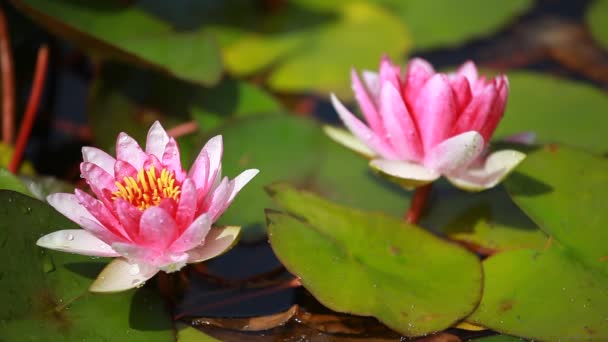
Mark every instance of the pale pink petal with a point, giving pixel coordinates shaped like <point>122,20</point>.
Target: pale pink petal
<point>156,140</point>
<point>97,178</point>
<point>69,206</point>
<point>157,229</point>
<point>219,200</point>
<point>137,253</point>
<point>186,208</point>
<point>128,149</point>
<point>462,91</point>
<point>475,115</point>
<point>366,135</point>
<point>128,215</point>
<point>214,148</point>
<point>417,74</point>
<point>101,213</point>
<point>389,73</point>
<point>496,167</point>
<point>498,108</point>
<point>171,160</point>
<point>124,169</point>
<point>367,104</point>
<point>400,128</point>
<point>77,241</point>
<point>455,153</point>
<point>199,172</point>
<point>102,233</point>
<point>218,241</point>
<point>151,161</point>
<point>241,180</point>
<point>120,275</point>
<point>435,111</point>
<point>348,140</point>
<point>468,70</point>
<point>98,157</point>
<point>372,83</point>
<point>193,236</point>
<point>409,175</point>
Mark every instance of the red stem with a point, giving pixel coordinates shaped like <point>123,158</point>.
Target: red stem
<point>32,106</point>
<point>421,194</point>
<point>183,129</point>
<point>8,82</point>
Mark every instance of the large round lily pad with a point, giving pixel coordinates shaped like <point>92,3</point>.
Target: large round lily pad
<point>597,18</point>
<point>373,264</point>
<point>561,292</point>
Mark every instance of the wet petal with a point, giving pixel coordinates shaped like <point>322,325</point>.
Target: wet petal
<point>409,175</point>
<point>157,229</point>
<point>98,157</point>
<point>128,149</point>
<point>218,241</point>
<point>348,140</point>
<point>171,159</point>
<point>128,216</point>
<point>496,167</point>
<point>120,275</point>
<point>418,72</point>
<point>199,172</point>
<point>372,83</point>
<point>476,114</point>
<point>186,208</point>
<point>77,241</point>
<point>367,104</point>
<point>193,235</point>
<point>102,214</point>
<point>455,153</point>
<point>97,177</point>
<point>157,140</point>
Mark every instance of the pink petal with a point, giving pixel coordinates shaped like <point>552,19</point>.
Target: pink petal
<point>128,216</point>
<point>199,172</point>
<point>128,149</point>
<point>77,241</point>
<point>475,115</point>
<point>214,148</point>
<point>367,104</point>
<point>120,275</point>
<point>389,73</point>
<point>217,242</point>
<point>409,175</point>
<point>102,233</point>
<point>348,140</point>
<point>241,180</point>
<point>157,229</point>
<point>455,153</point>
<point>186,208</point>
<point>372,83</point>
<point>468,70</point>
<point>157,140</point>
<point>400,128</point>
<point>124,169</point>
<point>462,91</point>
<point>69,206</point>
<point>97,178</point>
<point>435,111</point>
<point>171,160</point>
<point>193,235</point>
<point>497,110</point>
<point>494,169</point>
<point>367,136</point>
<point>417,74</point>
<point>152,160</point>
<point>100,158</point>
<point>102,214</point>
<point>215,204</point>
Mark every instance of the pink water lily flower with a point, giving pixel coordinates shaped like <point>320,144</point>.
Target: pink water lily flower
<point>427,124</point>
<point>147,212</point>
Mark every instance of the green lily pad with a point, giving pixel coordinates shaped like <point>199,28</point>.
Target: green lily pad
<point>562,292</point>
<point>44,293</point>
<point>8,181</point>
<point>488,220</point>
<point>597,18</point>
<point>499,338</point>
<point>132,32</point>
<point>311,48</point>
<point>440,23</point>
<point>372,264</point>
<point>557,110</point>
<point>297,152</point>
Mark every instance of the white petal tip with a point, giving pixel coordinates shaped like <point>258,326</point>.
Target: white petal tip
<point>120,275</point>
<point>406,174</point>
<point>217,242</point>
<point>496,168</point>
<point>348,140</point>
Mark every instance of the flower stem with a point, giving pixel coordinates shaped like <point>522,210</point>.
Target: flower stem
<point>8,82</point>
<point>32,107</point>
<point>421,194</point>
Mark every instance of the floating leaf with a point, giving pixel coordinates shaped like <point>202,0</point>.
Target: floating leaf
<point>44,293</point>
<point>132,32</point>
<point>440,23</point>
<point>557,110</point>
<point>597,18</point>
<point>186,333</point>
<point>313,49</point>
<point>372,264</point>
<point>562,292</point>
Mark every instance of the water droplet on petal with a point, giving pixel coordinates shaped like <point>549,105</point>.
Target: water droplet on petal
<point>134,270</point>
<point>70,237</point>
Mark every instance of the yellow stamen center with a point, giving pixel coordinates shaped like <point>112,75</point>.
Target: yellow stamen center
<point>148,189</point>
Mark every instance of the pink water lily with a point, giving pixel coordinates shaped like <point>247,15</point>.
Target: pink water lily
<point>427,124</point>
<point>147,211</point>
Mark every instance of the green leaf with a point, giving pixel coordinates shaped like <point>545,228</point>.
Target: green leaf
<point>440,23</point>
<point>186,333</point>
<point>597,20</point>
<point>8,181</point>
<point>557,110</point>
<point>372,264</point>
<point>44,293</point>
<point>498,338</point>
<point>297,152</point>
<point>559,293</point>
<point>134,32</point>
<point>313,49</point>
<point>487,219</point>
